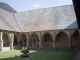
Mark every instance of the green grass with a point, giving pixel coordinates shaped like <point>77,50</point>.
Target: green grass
<point>10,55</point>
<point>39,55</point>
<point>54,55</point>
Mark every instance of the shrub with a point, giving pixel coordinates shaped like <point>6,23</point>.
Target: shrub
<point>25,51</point>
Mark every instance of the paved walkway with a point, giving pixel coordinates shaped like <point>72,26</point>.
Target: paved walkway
<point>77,56</point>
<point>5,49</point>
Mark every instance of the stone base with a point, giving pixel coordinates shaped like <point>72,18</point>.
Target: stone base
<point>24,55</point>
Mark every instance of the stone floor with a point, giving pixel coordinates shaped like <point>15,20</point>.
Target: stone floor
<point>77,56</point>
<point>6,49</point>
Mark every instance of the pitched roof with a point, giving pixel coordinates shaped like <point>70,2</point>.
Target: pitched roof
<point>8,22</point>
<point>53,18</point>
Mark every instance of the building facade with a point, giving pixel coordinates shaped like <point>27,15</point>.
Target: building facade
<point>48,28</point>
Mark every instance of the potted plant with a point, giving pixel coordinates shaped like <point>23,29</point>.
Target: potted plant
<point>25,52</point>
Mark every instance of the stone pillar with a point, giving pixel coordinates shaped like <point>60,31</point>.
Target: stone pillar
<point>32,43</point>
<point>79,35</point>
<point>40,39</point>
<point>79,39</point>
<point>28,40</point>
<point>36,42</point>
<point>1,41</point>
<point>54,41</point>
<point>11,41</point>
<point>70,43</point>
<point>18,43</point>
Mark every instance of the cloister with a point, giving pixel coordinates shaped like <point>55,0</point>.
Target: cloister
<point>47,28</point>
<point>58,39</point>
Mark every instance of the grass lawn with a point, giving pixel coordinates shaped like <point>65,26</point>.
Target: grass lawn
<point>39,55</point>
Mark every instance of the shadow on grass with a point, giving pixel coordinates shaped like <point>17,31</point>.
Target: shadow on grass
<point>17,57</point>
<point>13,58</point>
<point>54,55</point>
<point>46,55</point>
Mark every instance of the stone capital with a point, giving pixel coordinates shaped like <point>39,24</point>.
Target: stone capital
<point>1,33</point>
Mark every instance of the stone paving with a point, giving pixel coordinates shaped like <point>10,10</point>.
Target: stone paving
<point>77,56</point>
<point>5,49</point>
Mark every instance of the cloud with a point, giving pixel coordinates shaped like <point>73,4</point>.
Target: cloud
<point>37,5</point>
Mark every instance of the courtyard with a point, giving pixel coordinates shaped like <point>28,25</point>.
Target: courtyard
<point>39,55</point>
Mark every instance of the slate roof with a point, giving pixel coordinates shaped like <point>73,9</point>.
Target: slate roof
<point>53,18</point>
<point>8,22</point>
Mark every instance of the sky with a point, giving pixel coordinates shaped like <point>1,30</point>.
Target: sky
<point>26,5</point>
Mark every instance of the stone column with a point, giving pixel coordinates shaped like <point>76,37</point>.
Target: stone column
<point>70,43</point>
<point>11,41</point>
<point>1,41</point>
<point>36,42</point>
<point>40,39</point>
<point>79,39</point>
<point>18,43</point>
<point>32,43</point>
<point>28,40</point>
<point>54,41</point>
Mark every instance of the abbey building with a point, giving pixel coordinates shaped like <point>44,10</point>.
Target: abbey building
<point>47,28</point>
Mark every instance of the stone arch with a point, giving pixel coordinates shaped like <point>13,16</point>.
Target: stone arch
<point>47,40</point>
<point>5,38</point>
<point>34,40</point>
<point>62,41</point>
<point>75,40</point>
<point>62,32</point>
<point>74,32</point>
<point>23,40</point>
<point>15,40</point>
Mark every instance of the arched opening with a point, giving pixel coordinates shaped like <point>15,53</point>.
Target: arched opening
<point>62,41</point>
<point>34,40</point>
<point>5,38</point>
<point>23,42</point>
<point>75,40</point>
<point>47,40</point>
<point>15,41</point>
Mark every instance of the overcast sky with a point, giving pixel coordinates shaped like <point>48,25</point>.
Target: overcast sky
<point>25,5</point>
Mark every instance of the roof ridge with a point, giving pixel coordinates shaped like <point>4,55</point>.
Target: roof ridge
<point>17,22</point>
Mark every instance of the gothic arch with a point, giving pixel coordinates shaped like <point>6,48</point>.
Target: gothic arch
<point>62,32</point>
<point>34,40</point>
<point>6,40</point>
<point>62,41</point>
<point>75,40</point>
<point>34,33</point>
<point>23,40</point>
<point>47,33</point>
<point>75,31</point>
<point>15,40</point>
<point>47,40</point>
